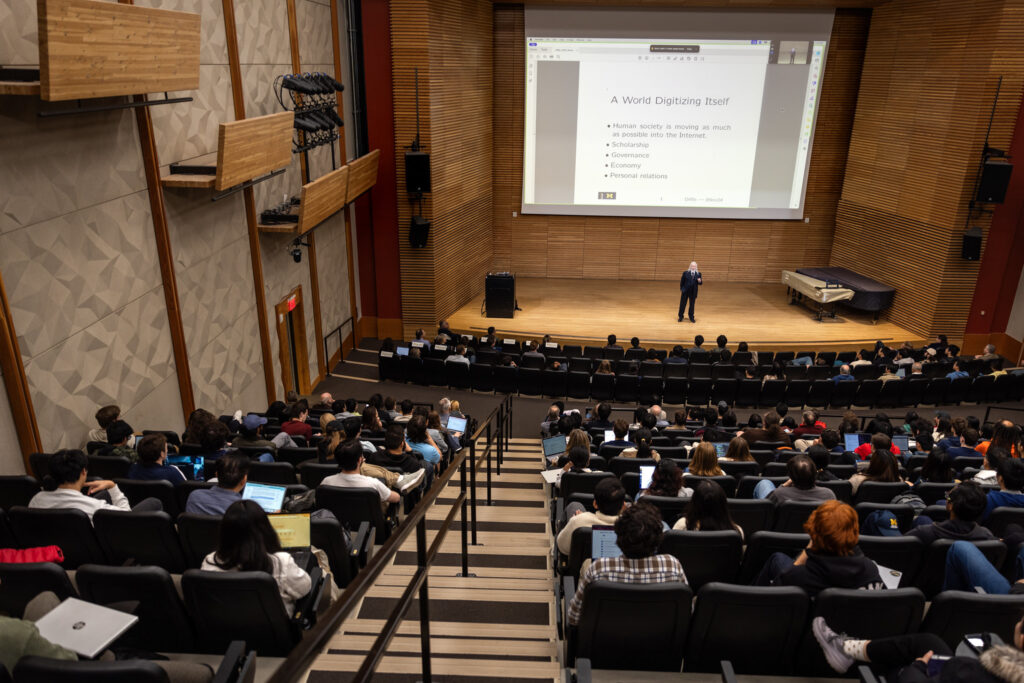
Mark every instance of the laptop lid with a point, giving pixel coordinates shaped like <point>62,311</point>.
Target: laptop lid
<point>292,530</point>
<point>270,498</point>
<point>901,441</point>
<point>646,474</point>
<point>609,435</point>
<point>721,448</point>
<point>83,627</point>
<point>603,543</point>
<point>456,424</point>
<point>402,350</point>
<point>554,446</point>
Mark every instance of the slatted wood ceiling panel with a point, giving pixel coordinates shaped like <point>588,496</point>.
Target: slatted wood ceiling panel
<point>926,93</point>
<point>658,249</point>
<point>450,41</point>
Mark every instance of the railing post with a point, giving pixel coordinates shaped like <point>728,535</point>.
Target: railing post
<point>421,560</point>
<point>489,501</point>
<point>501,432</point>
<point>472,488</point>
<point>465,523</point>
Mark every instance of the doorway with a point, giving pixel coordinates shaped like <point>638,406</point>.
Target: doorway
<point>291,339</point>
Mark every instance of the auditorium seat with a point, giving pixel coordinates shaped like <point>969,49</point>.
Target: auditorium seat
<point>137,490</point>
<point>841,487</point>
<point>935,394</point>
<point>23,581</point>
<point>199,535</point>
<point>773,391</point>
<point>571,350</point>
<point>954,614</point>
<point>933,492</point>
<point>727,482</point>
<point>626,388</point>
<point>738,470</point>
<point>506,380</point>
<point>481,377</point>
<point>745,487</point>
<point>706,556</point>
<point>279,473</point>
<point>879,491</point>
<point>108,466</point>
<point>676,370</point>
<point>649,391</point>
<point>141,538</point>
<point>671,508</point>
<point>724,390</point>
<point>751,514</point>
<point>956,392</point>
<point>353,505</point>
<point>183,490</point>
<point>819,393</point>
<point>1003,388</point>
<point>32,669</point>
<point>980,389</point>
<point>904,513</point>
<point>1002,517</point>
<point>554,383</point>
<point>593,352</point>
<point>762,544</point>
<point>67,528</point>
<point>620,466</point>
<point>580,482</point>
<point>39,464</point>
<point>933,568</point>
<point>699,392</point>
<point>296,456</point>
<point>458,375</point>
<point>765,624</point>
<point>791,515</point>
<point>902,553</point>
<point>530,382</point>
<point>578,385</point>
<point>699,370</point>
<point>842,394</point>
<point>602,387</point>
<point>867,392</point>
<point>676,388</point>
<point>891,393</point>
<point>17,489</point>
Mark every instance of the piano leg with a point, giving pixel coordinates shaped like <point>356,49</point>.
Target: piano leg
<point>821,308</point>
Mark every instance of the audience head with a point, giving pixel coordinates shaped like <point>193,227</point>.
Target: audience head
<point>152,448</point>
<point>742,346</point>
<point>620,428</point>
<point>698,340</point>
<point>213,437</point>
<point>677,351</point>
<point>937,467</point>
<point>820,456</point>
<point>604,410</point>
<point>246,539</point>
<point>916,368</point>
<point>710,417</point>
<point>1011,474</point>
<point>251,423</point>
<point>882,466</point>
<point>371,422</point>
<point>609,495</point>
<point>970,437</point>
<point>635,342</point>
<point>993,456</point>
<point>106,415</point>
<point>708,508</point>
<point>726,355</point>
<point>1007,435</point>
<point>611,340</point>
<point>232,470</point>
<point>802,471</point>
<point>643,438</point>
<point>416,429</point>
<point>830,439</point>
<point>679,419</point>
<point>349,455</point>
<point>739,450</point>
<point>118,432</point>
<point>809,417</point>
<point>68,466</point>
<point>638,530</point>
<point>579,457</point>
<point>729,419</point>
<point>755,421</point>
<point>604,368</point>
<point>666,480</point>
<point>844,369</point>
<point>389,403</point>
<point>833,528</point>
<point>721,341</point>
<point>966,501</point>
<point>394,438</point>
<point>291,396</point>
<point>704,461</point>
<point>406,407</point>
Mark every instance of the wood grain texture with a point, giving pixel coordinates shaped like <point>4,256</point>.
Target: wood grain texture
<point>927,91</point>
<point>362,174</point>
<point>249,148</point>
<point>16,384</point>
<point>612,248</point>
<point>736,4</point>
<point>194,181</point>
<point>19,87</point>
<point>321,198</point>
<point>89,48</point>
<point>298,337</point>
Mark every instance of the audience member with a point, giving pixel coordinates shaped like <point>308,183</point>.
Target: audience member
<point>119,438</point>
<point>420,440</point>
<point>232,476</point>
<point>937,468</point>
<point>197,423</point>
<point>250,435</point>
<point>738,451</point>
<point>458,355</point>
<point>844,375</point>
<point>698,342</point>
<point>642,448</point>
<point>621,429</point>
<point>965,504</point>
<point>104,417</point>
<point>704,461</point>
<point>1005,435</point>
<point>69,472</point>
<point>882,467</point>
<point>350,458</point>
<point>708,510</point>
<point>1010,477</point>
<point>612,342</point>
<point>676,357</point>
<point>152,462</point>
<point>406,407</point>
<point>609,502</point>
<point>772,432</point>
<point>247,543</point>
<point>667,481</point>
<point>802,484</point>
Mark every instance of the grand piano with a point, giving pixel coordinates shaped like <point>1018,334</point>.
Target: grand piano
<point>868,295</point>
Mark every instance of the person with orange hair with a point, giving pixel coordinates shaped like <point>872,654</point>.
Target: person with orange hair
<point>831,560</point>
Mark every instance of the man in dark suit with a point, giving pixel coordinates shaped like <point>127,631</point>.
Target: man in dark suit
<point>688,285</point>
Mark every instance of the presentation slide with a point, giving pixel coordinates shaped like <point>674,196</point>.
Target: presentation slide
<point>701,124</point>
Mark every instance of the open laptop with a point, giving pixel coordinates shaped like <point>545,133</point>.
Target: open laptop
<point>190,465</point>
<point>293,531</point>
<point>402,350</point>
<point>270,498</point>
<point>646,474</point>
<point>902,442</point>
<point>721,448</point>
<point>852,441</point>
<point>554,447</point>
<point>603,542</point>
<point>609,435</point>
<point>83,627</point>
<point>456,424</point>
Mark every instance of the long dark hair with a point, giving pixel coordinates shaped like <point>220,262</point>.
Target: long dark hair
<point>938,467</point>
<point>643,442</point>
<point>246,539</point>
<point>882,467</point>
<point>708,509</point>
<point>666,480</point>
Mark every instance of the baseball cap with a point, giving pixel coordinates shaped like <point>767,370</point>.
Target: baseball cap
<point>252,421</point>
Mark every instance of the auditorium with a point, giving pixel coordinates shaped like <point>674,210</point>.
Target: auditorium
<point>511,342</point>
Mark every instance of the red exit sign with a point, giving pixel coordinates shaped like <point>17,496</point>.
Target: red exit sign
<point>291,303</point>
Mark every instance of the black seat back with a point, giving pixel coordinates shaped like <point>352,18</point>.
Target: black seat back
<point>1003,516</point>
<point>163,623</point>
<point>109,466</point>
<point>791,515</point>
<point>764,623</point>
<point>671,508</point>
<point>727,482</point>
<point>69,529</point>
<point>17,489</point>
<point>902,553</point>
<point>21,582</point>
<point>751,514</point>
<point>762,544</point>
<point>329,536</point>
<point>247,606</point>
<point>312,473</point>
<point>137,490</point>
<point>706,556</point>
<point>199,536</point>
<point>879,491</point>
<point>580,482</point>
<point>933,568</point>
<point>658,615</point>
<point>34,669</point>
<point>954,614</point>
<point>141,538</point>
<point>183,490</point>
<point>354,505</point>
<point>280,473</point>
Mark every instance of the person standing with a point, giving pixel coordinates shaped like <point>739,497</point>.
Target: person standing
<point>688,285</point>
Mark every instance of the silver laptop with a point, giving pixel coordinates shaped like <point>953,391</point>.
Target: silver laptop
<point>83,627</point>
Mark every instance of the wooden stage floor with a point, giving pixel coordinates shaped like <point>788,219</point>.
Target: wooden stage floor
<point>582,311</point>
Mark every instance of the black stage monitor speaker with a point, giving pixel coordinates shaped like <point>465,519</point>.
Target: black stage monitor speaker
<point>417,172</point>
<point>500,293</point>
<point>970,249</point>
<point>419,230</point>
<point>995,177</point>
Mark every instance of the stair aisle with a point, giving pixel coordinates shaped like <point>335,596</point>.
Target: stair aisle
<point>497,626</point>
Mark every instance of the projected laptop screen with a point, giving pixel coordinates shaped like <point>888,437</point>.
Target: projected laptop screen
<point>603,543</point>
<point>270,498</point>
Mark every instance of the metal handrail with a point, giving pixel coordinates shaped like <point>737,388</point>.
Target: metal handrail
<point>989,410</point>
<point>341,340</point>
<point>317,638</point>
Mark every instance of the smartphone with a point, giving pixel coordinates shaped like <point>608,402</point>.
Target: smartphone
<point>936,663</point>
<point>979,642</point>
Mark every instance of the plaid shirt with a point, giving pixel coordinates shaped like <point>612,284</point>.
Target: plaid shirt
<point>653,569</point>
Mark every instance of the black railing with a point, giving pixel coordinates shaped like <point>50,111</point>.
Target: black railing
<point>341,340</point>
<point>989,410</point>
<point>497,430</point>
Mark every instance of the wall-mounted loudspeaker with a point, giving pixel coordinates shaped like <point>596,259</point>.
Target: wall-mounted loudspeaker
<point>419,230</point>
<point>970,248</point>
<point>995,177</point>
<point>417,172</point>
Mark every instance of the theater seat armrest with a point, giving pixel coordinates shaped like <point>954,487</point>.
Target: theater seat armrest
<point>306,608</point>
<point>362,543</point>
<point>583,670</point>
<point>230,666</point>
<point>728,673</point>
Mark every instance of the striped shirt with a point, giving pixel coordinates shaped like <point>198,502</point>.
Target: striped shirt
<point>653,569</point>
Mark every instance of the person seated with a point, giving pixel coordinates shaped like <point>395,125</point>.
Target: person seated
<point>119,439</point>
<point>965,504</point>
<point>604,368</point>
<point>710,430</point>
<point>810,427</point>
<point>890,373</point>
<point>772,432</point>
<point>676,357</point>
<point>389,409</point>
<point>937,468</point>
<point>443,330</point>
<point>678,422</point>
<point>802,484</point>
<point>642,447</point>
<point>458,355</point>
<point>1005,435</point>
<point>621,430</point>
<point>105,416</point>
<point>863,358</point>
<point>883,467</point>
<point>419,439</point>
<point>397,453</point>
<point>738,451</point>
<point>421,340</point>
<point>448,442</point>
<point>612,342</point>
<point>232,476</point>
<point>660,417</point>
<point>370,423</point>
<point>965,445</point>
<point>1010,477</point>
<point>988,473</point>
<point>600,418</point>
<point>609,502</point>
<point>667,481</point>
<point>296,424</point>
<point>821,458</point>
<point>69,473</point>
<point>406,407</point>
<point>698,342</point>
<point>831,440</point>
<point>247,543</point>
<point>250,435</point>
<point>844,375</point>
<point>152,462</point>
<point>638,532</point>
<point>904,659</point>
<point>704,461</point>
<point>995,367</point>
<point>350,459</point>
<point>879,440</point>
<point>832,559</point>
<point>708,510</point>
<point>326,401</point>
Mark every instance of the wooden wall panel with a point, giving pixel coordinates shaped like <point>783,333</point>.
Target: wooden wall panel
<point>249,148</point>
<point>89,48</point>
<point>927,91</point>
<point>658,249</point>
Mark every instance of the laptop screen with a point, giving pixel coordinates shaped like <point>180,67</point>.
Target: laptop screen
<point>402,351</point>
<point>554,446</point>
<point>646,474</point>
<point>852,441</point>
<point>609,435</point>
<point>270,498</point>
<point>456,424</point>
<point>901,441</point>
<point>292,530</point>
<point>721,448</point>
<point>603,543</point>
<point>190,465</point>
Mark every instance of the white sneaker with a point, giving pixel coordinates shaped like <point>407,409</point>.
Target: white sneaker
<point>237,416</point>
<point>409,480</point>
<point>831,645</point>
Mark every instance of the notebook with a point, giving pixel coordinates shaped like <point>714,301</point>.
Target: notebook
<point>721,448</point>
<point>270,498</point>
<point>554,446</point>
<point>603,542</point>
<point>83,627</point>
<point>456,424</point>
<point>292,530</point>
<point>646,474</point>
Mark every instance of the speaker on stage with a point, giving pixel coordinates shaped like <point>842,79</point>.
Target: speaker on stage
<point>995,178</point>
<point>419,230</point>
<point>500,295</point>
<point>970,248</point>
